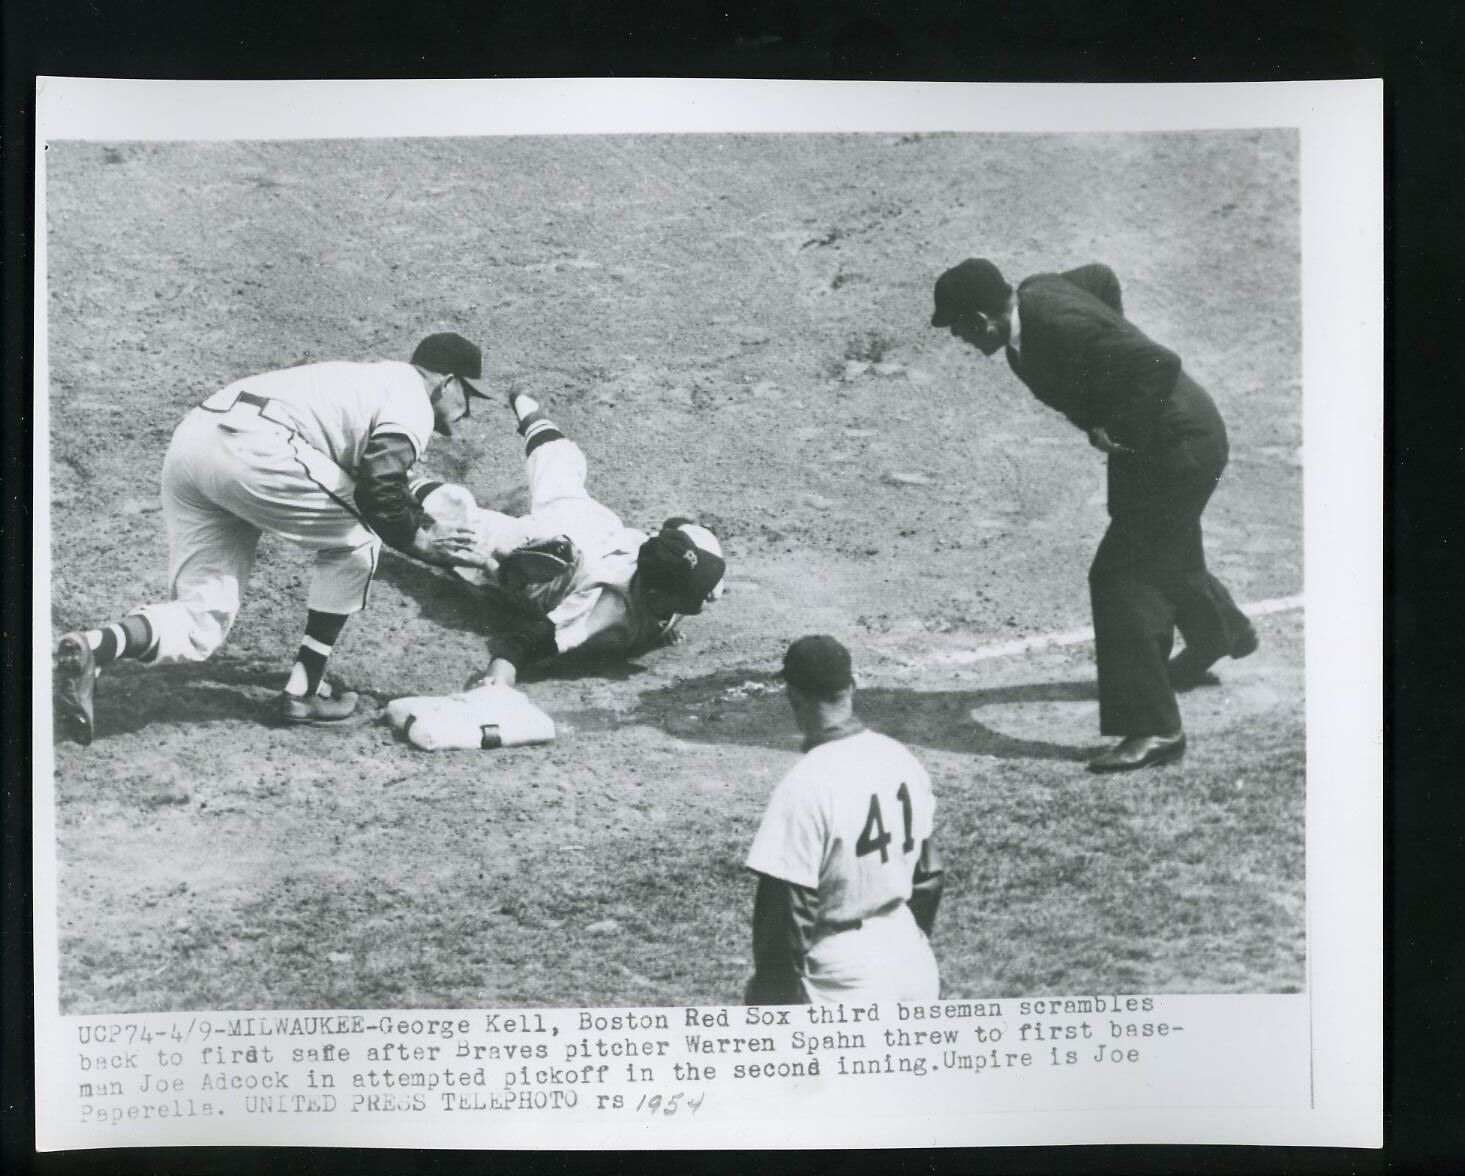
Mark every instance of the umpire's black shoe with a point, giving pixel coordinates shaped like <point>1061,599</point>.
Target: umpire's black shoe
<point>74,679</point>
<point>1191,667</point>
<point>1140,751</point>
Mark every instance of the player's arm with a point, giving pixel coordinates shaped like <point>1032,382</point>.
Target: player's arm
<point>928,882</point>
<point>669,634</point>
<point>783,932</point>
<point>388,506</point>
<point>530,641</point>
<point>536,638</point>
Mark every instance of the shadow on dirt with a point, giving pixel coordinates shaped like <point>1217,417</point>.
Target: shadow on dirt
<point>131,697</point>
<point>749,709</point>
<point>443,601</point>
<point>571,666</point>
<point>452,604</point>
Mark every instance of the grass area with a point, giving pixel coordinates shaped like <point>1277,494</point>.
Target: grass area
<point>472,880</point>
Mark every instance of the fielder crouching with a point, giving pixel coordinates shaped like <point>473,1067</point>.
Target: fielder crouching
<point>318,454</point>
<point>586,580</point>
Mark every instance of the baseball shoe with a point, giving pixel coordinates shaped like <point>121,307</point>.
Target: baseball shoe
<point>1140,751</point>
<point>318,708</point>
<point>1191,667</point>
<point>74,678</point>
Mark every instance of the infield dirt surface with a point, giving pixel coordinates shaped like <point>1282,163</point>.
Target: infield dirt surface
<point>733,328</point>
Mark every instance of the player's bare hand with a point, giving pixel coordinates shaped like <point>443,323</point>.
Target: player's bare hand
<point>499,673</point>
<point>1099,438</point>
<point>447,545</point>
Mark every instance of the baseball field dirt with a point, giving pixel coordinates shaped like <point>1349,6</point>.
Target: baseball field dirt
<point>733,328</point>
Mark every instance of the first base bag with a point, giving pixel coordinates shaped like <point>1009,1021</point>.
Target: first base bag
<point>486,717</point>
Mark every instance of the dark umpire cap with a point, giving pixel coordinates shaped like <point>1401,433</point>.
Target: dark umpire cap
<point>449,354</point>
<point>818,665</point>
<point>673,563</point>
<point>975,284</point>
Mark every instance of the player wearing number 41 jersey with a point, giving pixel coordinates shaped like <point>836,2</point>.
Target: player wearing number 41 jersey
<point>848,876</point>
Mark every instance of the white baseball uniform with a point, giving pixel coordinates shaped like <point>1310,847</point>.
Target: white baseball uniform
<point>849,821</point>
<point>598,612</point>
<point>275,452</point>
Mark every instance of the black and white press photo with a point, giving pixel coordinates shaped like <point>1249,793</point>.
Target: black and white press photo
<point>655,570</point>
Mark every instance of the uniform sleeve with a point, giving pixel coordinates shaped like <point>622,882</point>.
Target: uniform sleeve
<point>783,931</point>
<point>382,494</point>
<point>928,882</point>
<point>1100,281</point>
<point>407,412</point>
<point>529,642</point>
<point>591,618</point>
<point>789,844</point>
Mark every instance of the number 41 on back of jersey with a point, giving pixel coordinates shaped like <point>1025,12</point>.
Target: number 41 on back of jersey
<point>875,838</point>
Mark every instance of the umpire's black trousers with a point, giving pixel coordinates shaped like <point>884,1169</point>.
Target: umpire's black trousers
<point>1149,575</point>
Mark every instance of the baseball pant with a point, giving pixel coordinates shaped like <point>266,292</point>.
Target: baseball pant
<point>228,476</point>
<point>1149,577</point>
<point>887,956</point>
<point>559,504</point>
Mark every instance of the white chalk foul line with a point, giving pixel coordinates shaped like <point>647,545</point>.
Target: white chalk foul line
<point>966,657</point>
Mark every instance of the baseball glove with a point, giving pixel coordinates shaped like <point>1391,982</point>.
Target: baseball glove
<point>541,573</point>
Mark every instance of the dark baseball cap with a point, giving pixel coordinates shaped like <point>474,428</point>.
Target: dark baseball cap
<point>975,284</point>
<point>449,354</point>
<point>673,563</point>
<point>818,665</point>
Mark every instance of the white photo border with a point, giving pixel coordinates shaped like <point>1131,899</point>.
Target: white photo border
<point>1341,129</point>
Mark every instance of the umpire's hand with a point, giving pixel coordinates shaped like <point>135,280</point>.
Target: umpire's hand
<point>1100,439</point>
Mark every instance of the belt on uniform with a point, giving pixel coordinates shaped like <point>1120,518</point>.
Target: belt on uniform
<point>835,926</point>
<point>249,398</point>
<point>311,467</point>
<point>261,404</point>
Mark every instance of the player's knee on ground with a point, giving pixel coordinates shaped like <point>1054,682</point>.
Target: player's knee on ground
<point>186,631</point>
<point>342,579</point>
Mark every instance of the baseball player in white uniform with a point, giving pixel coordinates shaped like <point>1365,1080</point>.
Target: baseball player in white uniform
<point>848,876</point>
<point>319,454</point>
<point>587,581</point>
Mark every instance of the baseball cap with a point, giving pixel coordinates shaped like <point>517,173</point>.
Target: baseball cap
<point>449,354</point>
<point>975,284</point>
<point>818,665</point>
<point>684,561</point>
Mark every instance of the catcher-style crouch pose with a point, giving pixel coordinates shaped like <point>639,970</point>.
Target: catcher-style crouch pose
<point>318,454</point>
<point>1067,339</point>
<point>589,582</point>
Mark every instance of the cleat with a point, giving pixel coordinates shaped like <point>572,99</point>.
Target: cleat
<point>74,680</point>
<point>318,708</point>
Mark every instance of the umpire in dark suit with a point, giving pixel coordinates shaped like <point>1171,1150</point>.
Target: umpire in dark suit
<point>1067,339</point>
